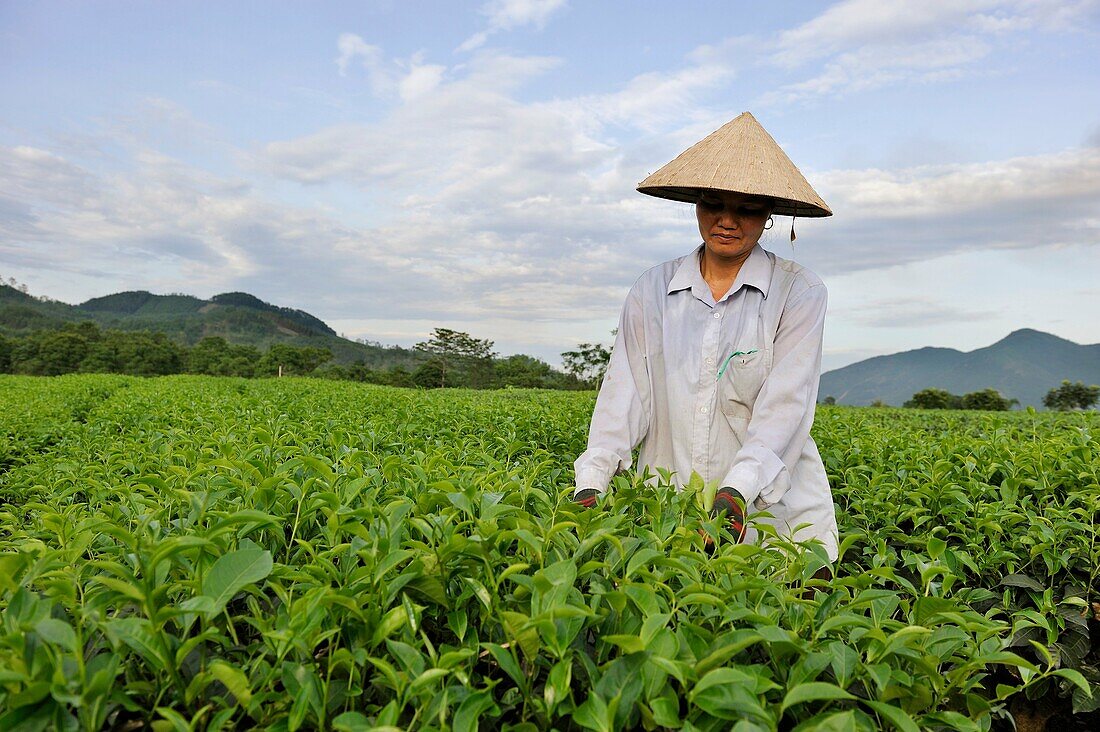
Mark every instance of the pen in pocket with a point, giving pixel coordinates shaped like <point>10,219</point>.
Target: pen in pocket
<point>730,358</point>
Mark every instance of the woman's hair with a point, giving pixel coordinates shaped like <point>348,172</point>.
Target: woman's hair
<point>768,202</point>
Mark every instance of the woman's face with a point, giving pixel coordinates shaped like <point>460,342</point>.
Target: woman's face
<point>731,223</point>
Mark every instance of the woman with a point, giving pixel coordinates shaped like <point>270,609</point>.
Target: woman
<point>716,363</point>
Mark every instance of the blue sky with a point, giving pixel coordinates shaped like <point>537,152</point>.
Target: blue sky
<point>393,167</point>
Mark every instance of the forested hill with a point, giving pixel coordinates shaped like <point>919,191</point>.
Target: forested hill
<point>238,317</point>
<point>1023,365</point>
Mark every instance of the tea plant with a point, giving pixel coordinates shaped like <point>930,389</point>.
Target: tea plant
<point>201,553</point>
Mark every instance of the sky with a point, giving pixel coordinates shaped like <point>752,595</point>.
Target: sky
<point>393,167</point>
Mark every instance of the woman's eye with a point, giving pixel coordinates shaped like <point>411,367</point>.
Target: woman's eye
<point>711,205</point>
<point>751,211</point>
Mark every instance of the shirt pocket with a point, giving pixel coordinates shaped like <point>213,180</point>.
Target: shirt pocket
<point>739,386</point>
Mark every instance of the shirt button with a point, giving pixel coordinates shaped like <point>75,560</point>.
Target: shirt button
<point>718,315</point>
<point>703,410</point>
<point>710,360</point>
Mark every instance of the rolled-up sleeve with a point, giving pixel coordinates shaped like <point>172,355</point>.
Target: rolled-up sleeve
<point>784,410</point>
<point>621,417</point>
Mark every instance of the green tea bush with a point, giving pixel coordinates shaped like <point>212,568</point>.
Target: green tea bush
<point>204,553</point>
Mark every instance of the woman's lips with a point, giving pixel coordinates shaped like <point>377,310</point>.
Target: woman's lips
<point>729,237</point>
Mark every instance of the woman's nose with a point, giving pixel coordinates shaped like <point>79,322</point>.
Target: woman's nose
<point>728,219</point>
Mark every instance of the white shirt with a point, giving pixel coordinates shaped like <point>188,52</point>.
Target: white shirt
<point>724,389</point>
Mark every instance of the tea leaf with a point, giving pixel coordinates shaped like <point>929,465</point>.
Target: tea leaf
<point>56,631</point>
<point>468,715</point>
<point>233,679</point>
<point>1021,580</point>
<point>352,722</point>
<point>895,716</point>
<point>232,572</point>
<point>813,691</point>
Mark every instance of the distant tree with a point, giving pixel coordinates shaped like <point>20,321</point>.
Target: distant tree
<point>397,376</point>
<point>101,359</point>
<point>587,363</point>
<point>431,374</point>
<point>989,400</point>
<point>879,403</point>
<point>295,360</point>
<point>359,371</point>
<point>14,284</point>
<point>523,371</point>
<point>214,356</point>
<point>1072,396</point>
<point>478,372</point>
<point>154,355</point>
<point>830,400</point>
<point>461,359</point>
<point>934,399</point>
<point>208,356</point>
<point>332,371</point>
<point>54,352</point>
<point>5,355</point>
<point>135,353</point>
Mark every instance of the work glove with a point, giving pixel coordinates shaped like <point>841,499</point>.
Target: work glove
<point>586,497</point>
<point>729,504</point>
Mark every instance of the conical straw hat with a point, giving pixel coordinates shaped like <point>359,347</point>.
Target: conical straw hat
<point>742,157</point>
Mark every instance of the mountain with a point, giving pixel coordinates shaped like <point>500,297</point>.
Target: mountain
<point>236,316</point>
<point>1023,365</point>
<point>140,310</point>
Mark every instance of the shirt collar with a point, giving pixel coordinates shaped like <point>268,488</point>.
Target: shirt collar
<point>756,271</point>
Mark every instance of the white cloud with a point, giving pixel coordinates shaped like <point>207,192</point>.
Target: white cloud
<point>508,14</point>
<point>420,79</point>
<point>653,101</point>
<point>874,66</point>
<point>864,44</point>
<point>29,173</point>
<point>863,23</point>
<point>859,45</point>
<point>353,47</point>
<point>474,42</point>
<point>890,217</point>
<point>1070,178</point>
<point>504,15</point>
<point>407,78</point>
<point>1053,15</point>
<point>469,128</point>
<point>899,312</point>
<point>464,129</point>
<point>160,221</point>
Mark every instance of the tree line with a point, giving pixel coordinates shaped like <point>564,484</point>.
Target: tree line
<point>451,359</point>
<point>84,348</point>
<point>455,358</point>
<point>989,400</point>
<point>1066,397</point>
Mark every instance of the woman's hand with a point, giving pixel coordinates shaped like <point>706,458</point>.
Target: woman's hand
<point>729,504</point>
<point>586,497</point>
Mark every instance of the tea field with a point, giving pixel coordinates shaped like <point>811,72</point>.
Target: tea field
<point>203,553</point>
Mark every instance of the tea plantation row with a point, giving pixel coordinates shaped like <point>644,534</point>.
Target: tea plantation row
<point>203,553</point>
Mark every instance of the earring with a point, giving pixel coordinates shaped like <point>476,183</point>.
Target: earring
<point>770,224</point>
